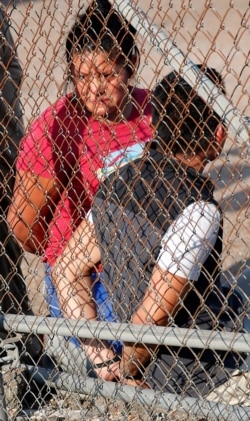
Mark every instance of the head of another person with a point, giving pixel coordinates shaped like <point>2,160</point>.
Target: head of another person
<point>186,125</point>
<point>102,57</point>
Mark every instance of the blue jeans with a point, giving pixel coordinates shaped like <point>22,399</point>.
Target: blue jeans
<point>104,306</point>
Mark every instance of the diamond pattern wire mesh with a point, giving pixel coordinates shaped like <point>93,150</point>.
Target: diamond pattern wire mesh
<point>213,33</point>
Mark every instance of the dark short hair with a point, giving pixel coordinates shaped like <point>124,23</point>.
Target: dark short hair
<point>183,121</point>
<point>101,26</point>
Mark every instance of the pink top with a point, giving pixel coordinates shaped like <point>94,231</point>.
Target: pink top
<point>77,151</point>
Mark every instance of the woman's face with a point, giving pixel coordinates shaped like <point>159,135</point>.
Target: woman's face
<point>101,84</point>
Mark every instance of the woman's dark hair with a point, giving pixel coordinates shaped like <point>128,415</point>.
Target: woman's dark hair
<point>183,121</point>
<point>102,27</point>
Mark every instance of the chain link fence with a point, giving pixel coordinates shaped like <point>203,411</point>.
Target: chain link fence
<point>171,35</point>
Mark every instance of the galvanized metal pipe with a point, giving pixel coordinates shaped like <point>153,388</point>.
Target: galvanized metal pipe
<point>175,58</point>
<point>172,336</point>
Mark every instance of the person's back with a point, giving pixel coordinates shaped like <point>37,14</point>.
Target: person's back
<point>146,198</point>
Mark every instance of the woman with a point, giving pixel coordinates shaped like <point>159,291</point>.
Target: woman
<point>82,137</point>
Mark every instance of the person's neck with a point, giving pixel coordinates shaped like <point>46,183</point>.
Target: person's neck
<point>195,161</point>
<point>120,115</point>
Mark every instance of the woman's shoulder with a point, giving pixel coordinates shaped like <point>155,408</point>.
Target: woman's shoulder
<point>60,106</point>
<point>48,124</point>
<point>52,117</point>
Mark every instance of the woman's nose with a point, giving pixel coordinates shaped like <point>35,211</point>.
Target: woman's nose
<point>97,83</point>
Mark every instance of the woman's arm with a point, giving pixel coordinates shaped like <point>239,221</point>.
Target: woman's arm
<point>71,275</point>
<point>31,210</point>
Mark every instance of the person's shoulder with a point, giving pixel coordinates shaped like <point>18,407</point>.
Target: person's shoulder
<point>56,111</point>
<point>61,104</point>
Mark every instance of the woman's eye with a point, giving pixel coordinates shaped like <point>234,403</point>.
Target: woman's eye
<point>110,75</point>
<point>81,77</point>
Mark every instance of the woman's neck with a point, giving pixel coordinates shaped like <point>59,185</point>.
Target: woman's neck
<point>122,114</point>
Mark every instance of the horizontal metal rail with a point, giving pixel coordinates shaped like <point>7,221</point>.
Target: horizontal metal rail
<point>175,58</point>
<point>172,336</point>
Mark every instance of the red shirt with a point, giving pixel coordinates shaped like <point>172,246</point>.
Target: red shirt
<point>76,150</point>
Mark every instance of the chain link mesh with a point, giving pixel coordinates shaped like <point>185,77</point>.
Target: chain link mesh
<point>215,34</point>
